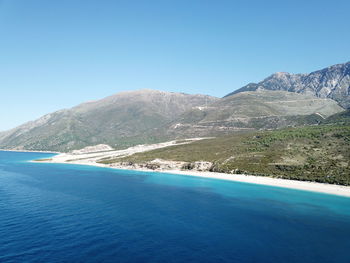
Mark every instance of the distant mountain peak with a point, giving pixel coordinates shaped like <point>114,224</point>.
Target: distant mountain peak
<point>280,74</point>
<point>332,82</point>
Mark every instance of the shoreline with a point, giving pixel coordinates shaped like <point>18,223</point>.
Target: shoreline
<point>333,189</point>
<point>28,151</point>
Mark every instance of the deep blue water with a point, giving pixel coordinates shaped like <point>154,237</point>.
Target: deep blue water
<point>72,213</point>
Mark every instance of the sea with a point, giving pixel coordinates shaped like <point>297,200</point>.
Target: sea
<point>75,213</point>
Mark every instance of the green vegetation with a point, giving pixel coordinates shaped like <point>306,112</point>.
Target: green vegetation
<point>319,153</point>
<point>341,118</point>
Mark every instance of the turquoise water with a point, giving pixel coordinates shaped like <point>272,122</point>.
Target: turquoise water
<point>72,213</point>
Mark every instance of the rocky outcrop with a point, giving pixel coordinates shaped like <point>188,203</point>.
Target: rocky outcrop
<point>164,165</point>
<point>332,82</point>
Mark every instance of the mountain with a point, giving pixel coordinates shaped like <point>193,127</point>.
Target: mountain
<point>262,109</point>
<point>332,82</point>
<point>120,120</point>
<point>149,116</point>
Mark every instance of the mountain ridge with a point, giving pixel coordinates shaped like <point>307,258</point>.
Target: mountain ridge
<point>332,82</point>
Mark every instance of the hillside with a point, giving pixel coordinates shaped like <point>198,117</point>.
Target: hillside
<point>312,153</point>
<point>319,153</point>
<point>124,119</point>
<point>332,82</point>
<point>254,110</point>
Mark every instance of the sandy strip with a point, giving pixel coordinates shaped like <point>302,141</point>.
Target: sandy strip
<point>262,180</point>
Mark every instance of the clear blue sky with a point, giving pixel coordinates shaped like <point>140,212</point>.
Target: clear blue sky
<point>56,54</point>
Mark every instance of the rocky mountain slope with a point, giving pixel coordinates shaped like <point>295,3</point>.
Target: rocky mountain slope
<point>251,110</point>
<point>121,120</point>
<point>332,82</point>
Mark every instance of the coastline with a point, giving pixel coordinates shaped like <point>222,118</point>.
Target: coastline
<point>28,151</point>
<point>333,189</point>
<point>338,190</point>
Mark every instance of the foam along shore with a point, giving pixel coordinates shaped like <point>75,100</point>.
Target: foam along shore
<point>84,157</point>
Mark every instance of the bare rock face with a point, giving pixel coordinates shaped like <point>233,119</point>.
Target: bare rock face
<point>332,82</point>
<point>164,165</point>
<point>202,166</point>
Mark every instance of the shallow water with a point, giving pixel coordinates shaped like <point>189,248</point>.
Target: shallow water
<point>72,213</point>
